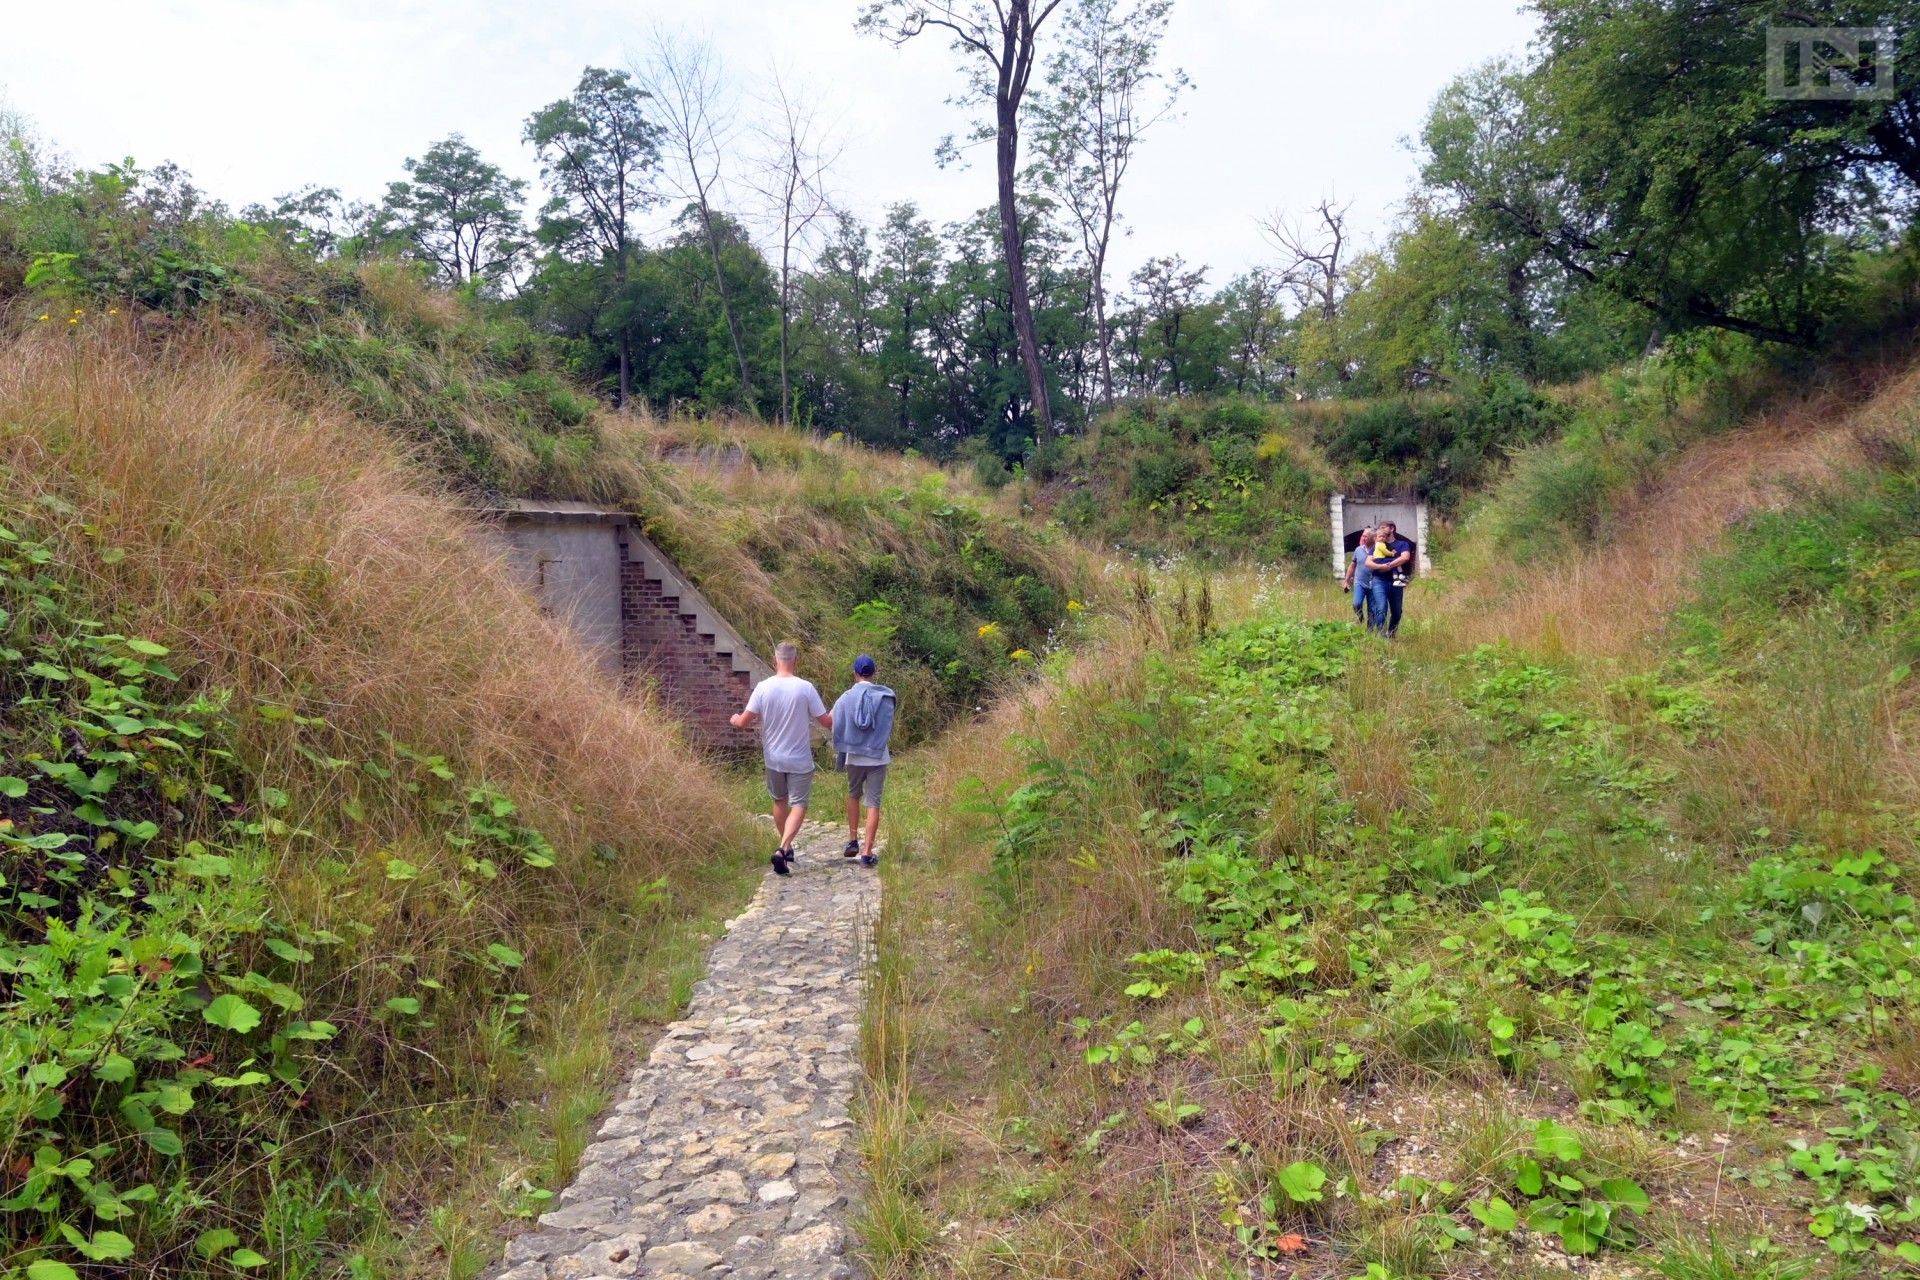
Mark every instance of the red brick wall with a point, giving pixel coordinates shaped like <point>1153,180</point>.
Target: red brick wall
<point>660,644</point>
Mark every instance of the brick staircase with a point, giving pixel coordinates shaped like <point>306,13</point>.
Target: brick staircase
<point>592,568</point>
<point>672,635</point>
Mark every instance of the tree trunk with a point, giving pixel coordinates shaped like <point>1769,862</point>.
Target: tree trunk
<point>626,338</point>
<point>1012,244</point>
<point>1102,333</point>
<point>726,307</point>
<point>786,321</point>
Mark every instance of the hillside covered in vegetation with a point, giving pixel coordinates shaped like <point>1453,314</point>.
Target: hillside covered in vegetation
<point>1575,929</point>
<point>337,882</point>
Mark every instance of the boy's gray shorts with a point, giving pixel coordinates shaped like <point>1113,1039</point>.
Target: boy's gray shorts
<point>794,788</point>
<point>868,781</point>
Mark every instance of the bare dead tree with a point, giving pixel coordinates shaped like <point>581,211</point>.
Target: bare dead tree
<point>1313,252</point>
<point>791,176</point>
<point>998,41</point>
<point>696,112</point>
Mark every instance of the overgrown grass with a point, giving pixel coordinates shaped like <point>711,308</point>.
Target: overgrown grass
<point>1284,948</point>
<point>333,928</point>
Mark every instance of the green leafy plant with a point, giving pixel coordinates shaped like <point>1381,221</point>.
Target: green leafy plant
<point>1587,1212</point>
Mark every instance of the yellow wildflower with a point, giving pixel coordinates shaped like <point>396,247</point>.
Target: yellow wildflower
<point>1074,606</point>
<point>990,630</point>
<point>1021,655</point>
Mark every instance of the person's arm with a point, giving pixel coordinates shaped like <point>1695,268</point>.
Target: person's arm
<point>1397,561</point>
<point>744,719</point>
<point>1347,580</point>
<point>821,716</point>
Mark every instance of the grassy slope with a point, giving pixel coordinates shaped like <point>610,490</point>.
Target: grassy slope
<point>388,871</point>
<point>271,489</point>
<point>1605,870</point>
<point>789,535</point>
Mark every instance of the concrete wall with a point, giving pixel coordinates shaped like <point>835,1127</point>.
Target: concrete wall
<point>573,569</point>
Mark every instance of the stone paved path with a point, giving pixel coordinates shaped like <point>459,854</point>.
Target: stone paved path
<point>731,1151</point>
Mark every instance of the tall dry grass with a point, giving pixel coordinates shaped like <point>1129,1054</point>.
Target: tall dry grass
<point>1611,599</point>
<point>297,557</point>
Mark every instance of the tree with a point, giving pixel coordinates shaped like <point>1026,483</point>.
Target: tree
<point>598,152</point>
<point>459,213</point>
<point>1642,152</point>
<point>1312,249</point>
<point>315,218</point>
<point>793,176</point>
<point>908,275</point>
<point>1104,94</point>
<point>999,40</point>
<point>697,111</point>
<point>1173,339</point>
<point>1255,328</point>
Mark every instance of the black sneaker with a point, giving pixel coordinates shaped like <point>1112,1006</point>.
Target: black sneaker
<point>781,863</point>
<point>852,850</point>
<point>869,859</point>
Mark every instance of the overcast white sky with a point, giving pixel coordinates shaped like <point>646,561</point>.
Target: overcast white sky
<point>1293,100</point>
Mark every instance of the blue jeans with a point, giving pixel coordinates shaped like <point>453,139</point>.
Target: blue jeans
<point>1385,602</point>
<point>1360,597</point>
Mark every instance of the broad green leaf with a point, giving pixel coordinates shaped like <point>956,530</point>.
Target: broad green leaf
<point>13,788</point>
<point>233,1013</point>
<point>1556,1141</point>
<point>1302,1181</point>
<point>50,1269</point>
<point>1625,1191</point>
<point>147,648</point>
<point>505,955</point>
<point>211,1244</point>
<point>1495,1214</point>
<point>165,1141</point>
<point>246,1258</point>
<point>401,869</point>
<point>404,1004</point>
<point>107,1246</point>
<point>288,952</point>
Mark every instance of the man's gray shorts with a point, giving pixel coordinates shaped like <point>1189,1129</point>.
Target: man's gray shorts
<point>868,781</point>
<point>794,788</point>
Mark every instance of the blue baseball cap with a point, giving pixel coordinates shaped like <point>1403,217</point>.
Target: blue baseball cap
<point>865,666</point>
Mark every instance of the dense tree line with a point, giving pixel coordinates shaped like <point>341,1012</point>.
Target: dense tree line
<point>1574,208</point>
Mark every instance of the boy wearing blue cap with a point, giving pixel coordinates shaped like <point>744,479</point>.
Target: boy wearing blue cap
<point>862,730</point>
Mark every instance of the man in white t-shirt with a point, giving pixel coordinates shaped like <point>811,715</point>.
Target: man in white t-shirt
<point>786,708</point>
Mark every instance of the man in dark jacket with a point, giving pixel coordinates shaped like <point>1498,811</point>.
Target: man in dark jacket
<point>862,730</point>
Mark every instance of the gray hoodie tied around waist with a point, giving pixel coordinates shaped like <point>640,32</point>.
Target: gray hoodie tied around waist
<point>863,722</point>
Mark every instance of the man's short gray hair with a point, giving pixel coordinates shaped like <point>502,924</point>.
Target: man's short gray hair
<point>786,651</point>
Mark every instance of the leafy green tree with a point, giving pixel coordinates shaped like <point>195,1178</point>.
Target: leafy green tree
<point>1642,152</point>
<point>1176,333</point>
<point>1255,332</point>
<point>906,282</point>
<point>598,154</point>
<point>998,42</point>
<point>458,213</point>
